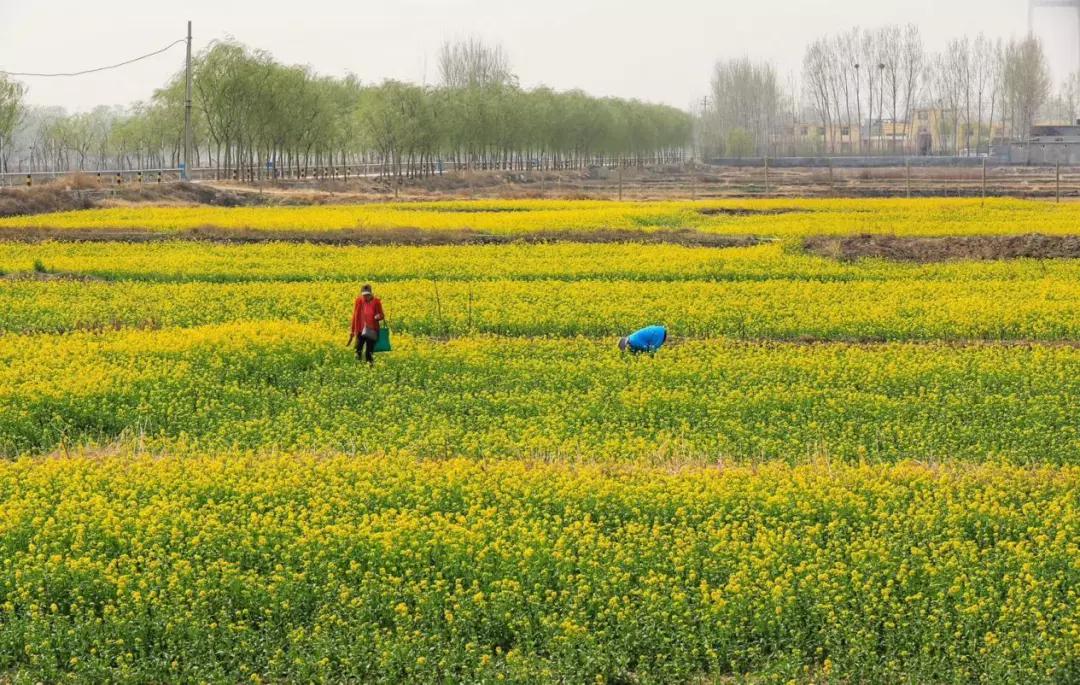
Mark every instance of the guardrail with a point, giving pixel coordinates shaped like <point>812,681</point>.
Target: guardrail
<point>106,177</point>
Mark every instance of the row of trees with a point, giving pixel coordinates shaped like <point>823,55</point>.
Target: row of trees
<point>881,91</point>
<point>860,92</point>
<point>252,112</point>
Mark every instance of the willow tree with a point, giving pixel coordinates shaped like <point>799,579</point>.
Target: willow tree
<point>253,113</point>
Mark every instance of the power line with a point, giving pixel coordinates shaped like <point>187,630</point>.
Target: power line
<point>97,69</point>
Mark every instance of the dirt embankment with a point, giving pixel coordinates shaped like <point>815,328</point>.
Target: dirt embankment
<point>16,201</point>
<point>387,236</point>
<point>952,248</point>
<point>67,196</point>
<point>85,191</point>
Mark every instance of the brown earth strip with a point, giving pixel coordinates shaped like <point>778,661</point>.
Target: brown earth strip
<point>81,192</point>
<point>16,201</point>
<point>48,276</point>
<point>943,249</point>
<point>487,209</point>
<point>745,211</point>
<point>387,236</point>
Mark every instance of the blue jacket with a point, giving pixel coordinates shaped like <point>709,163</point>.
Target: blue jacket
<point>647,339</point>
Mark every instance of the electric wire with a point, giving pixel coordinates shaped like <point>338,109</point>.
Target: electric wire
<point>96,69</point>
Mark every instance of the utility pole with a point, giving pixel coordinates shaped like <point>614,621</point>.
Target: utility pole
<point>186,175</point>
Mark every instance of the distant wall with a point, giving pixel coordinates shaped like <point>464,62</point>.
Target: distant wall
<point>1022,154</point>
<point>848,162</point>
<point>1067,154</point>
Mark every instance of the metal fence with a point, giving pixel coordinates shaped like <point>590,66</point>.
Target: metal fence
<point>780,177</point>
<point>251,173</point>
<point>127,176</point>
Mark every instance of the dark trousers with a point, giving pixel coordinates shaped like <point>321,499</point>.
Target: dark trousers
<point>365,349</point>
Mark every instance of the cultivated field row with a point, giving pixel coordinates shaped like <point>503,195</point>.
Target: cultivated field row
<point>840,468</point>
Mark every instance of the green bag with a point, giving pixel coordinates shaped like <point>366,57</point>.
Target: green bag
<point>383,343</point>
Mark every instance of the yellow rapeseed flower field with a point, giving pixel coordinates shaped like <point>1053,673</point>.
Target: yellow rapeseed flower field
<point>834,471</point>
<point>278,385</point>
<point>778,217</point>
<point>285,261</point>
<point>296,568</point>
<point>762,292</point>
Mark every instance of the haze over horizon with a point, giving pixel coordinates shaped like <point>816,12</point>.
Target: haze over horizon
<point>659,53</point>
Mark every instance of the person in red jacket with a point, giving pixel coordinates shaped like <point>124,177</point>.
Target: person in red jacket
<point>366,318</point>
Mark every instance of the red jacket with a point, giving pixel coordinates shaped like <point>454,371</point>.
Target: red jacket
<point>366,314</point>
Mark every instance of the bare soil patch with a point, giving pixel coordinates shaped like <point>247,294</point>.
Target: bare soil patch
<point>474,210</point>
<point>746,211</point>
<point>83,193</point>
<point>943,249</point>
<point>388,236</point>
<point>48,276</point>
<point>16,201</point>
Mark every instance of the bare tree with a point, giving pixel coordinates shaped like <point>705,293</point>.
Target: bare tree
<point>816,65</point>
<point>748,99</point>
<point>946,94</point>
<point>1069,97</point>
<point>1026,83</point>
<point>850,52</point>
<point>11,114</point>
<point>892,50</point>
<point>792,110</point>
<point>871,65</point>
<point>913,63</point>
<point>471,64</point>
<point>994,60</point>
<point>960,60</point>
<point>982,62</point>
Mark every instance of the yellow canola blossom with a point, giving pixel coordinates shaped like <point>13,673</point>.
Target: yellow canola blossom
<point>278,261</point>
<point>842,472</point>
<point>268,385</point>
<point>1034,306</point>
<point>781,217</point>
<point>285,568</point>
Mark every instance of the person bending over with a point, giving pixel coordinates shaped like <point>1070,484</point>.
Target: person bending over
<point>649,339</point>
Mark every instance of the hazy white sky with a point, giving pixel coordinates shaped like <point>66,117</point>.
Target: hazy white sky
<point>660,50</point>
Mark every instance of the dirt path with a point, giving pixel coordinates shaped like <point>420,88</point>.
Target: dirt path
<point>388,236</point>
